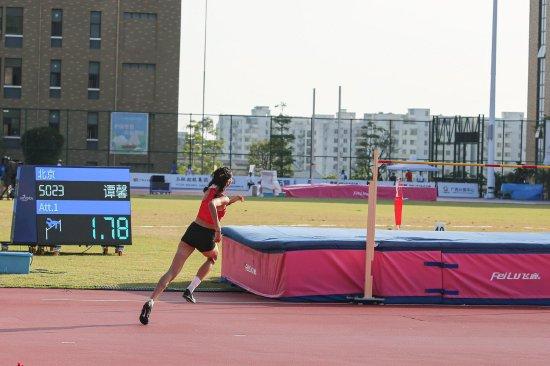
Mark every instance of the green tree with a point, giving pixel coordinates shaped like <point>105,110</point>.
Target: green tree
<point>281,146</point>
<point>259,155</point>
<point>202,149</point>
<point>42,145</point>
<point>519,175</point>
<point>371,137</point>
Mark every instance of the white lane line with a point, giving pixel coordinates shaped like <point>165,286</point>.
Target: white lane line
<point>169,301</point>
<point>94,300</point>
<point>68,342</point>
<point>155,226</point>
<point>471,226</point>
<point>240,335</point>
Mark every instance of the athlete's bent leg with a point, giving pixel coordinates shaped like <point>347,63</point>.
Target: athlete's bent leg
<point>204,269</point>
<point>183,252</point>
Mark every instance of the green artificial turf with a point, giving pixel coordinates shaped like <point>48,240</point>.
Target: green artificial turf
<point>159,222</point>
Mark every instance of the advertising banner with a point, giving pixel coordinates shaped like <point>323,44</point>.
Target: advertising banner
<point>129,133</point>
<point>452,189</point>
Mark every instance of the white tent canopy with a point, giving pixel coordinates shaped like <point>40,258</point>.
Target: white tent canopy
<point>413,168</point>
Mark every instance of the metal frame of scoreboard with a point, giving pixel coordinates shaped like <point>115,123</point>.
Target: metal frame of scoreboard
<point>61,205</point>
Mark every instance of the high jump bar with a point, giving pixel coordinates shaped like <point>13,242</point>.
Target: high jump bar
<point>482,165</point>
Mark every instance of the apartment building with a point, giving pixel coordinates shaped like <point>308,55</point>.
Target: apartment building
<point>69,64</point>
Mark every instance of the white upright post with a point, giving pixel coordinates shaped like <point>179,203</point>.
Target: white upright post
<point>491,127</point>
<point>338,124</point>
<point>312,144</point>
<point>371,231</point>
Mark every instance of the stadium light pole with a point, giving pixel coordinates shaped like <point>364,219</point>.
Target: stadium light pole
<point>491,127</point>
<point>203,84</point>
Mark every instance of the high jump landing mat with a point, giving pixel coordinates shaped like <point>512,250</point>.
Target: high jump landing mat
<point>410,267</point>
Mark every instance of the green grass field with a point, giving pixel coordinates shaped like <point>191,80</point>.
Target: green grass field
<point>159,222</point>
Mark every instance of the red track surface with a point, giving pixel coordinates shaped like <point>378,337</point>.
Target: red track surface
<point>61,327</point>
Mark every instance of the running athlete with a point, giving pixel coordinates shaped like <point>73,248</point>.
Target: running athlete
<point>202,234</point>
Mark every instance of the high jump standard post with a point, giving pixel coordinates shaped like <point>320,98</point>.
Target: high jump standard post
<point>371,228</point>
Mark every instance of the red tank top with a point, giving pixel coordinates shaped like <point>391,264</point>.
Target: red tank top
<point>204,211</point>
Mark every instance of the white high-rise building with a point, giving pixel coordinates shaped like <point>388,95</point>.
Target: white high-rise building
<point>335,140</point>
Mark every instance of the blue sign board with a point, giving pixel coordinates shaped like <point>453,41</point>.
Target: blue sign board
<point>72,205</point>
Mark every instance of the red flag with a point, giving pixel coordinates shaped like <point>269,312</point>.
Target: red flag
<point>398,204</point>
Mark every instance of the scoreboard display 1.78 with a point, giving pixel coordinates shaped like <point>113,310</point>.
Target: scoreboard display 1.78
<point>72,205</point>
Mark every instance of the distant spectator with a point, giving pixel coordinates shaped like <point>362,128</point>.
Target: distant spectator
<point>250,181</point>
<point>409,176</point>
<point>174,168</point>
<point>420,178</point>
<point>343,175</point>
<point>393,178</point>
<point>10,173</point>
<point>60,162</point>
<point>189,171</point>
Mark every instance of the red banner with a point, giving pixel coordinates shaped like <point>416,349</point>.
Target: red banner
<point>357,191</point>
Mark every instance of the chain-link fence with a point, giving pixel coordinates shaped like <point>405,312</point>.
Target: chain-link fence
<point>321,147</point>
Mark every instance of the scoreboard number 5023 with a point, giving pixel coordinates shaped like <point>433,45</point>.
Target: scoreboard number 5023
<point>51,190</point>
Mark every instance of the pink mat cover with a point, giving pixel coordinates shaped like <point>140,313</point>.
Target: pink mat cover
<point>326,272</point>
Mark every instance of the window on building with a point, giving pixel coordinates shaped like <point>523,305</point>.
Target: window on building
<point>335,150</point>
<point>413,151</point>
<point>404,142</point>
<point>414,132</point>
<point>95,29</point>
<point>411,142</point>
<point>425,143</point>
<point>55,79</point>
<point>92,126</point>
<point>93,80</point>
<point>12,78</point>
<point>336,141</point>
<point>335,159</point>
<point>12,122</point>
<point>128,66</point>
<point>405,132</point>
<point>56,39</point>
<point>54,119</point>
<point>14,28</point>
<point>135,15</point>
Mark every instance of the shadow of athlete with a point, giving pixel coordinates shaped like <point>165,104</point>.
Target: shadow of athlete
<point>202,234</point>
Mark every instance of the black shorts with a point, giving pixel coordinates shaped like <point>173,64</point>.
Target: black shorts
<point>199,237</point>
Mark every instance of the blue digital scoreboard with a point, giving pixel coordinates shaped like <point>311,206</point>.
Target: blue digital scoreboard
<point>72,205</point>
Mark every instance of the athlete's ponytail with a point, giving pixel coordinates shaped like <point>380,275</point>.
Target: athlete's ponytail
<point>208,185</point>
<point>220,177</point>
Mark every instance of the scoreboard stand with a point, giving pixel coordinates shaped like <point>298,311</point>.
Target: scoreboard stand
<point>57,206</point>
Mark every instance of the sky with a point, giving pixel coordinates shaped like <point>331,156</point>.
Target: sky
<point>387,55</point>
